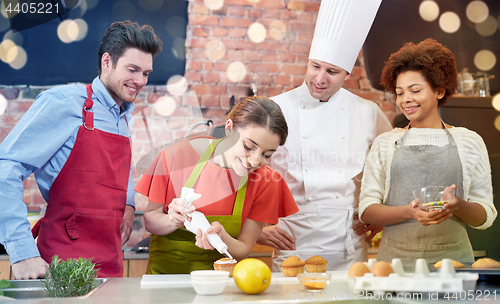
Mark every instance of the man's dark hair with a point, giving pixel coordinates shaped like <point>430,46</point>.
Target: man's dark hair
<point>122,35</point>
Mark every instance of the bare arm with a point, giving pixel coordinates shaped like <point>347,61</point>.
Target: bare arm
<point>158,222</point>
<point>276,238</point>
<point>128,223</point>
<point>240,247</point>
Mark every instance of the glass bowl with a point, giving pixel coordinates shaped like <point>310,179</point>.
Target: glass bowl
<point>315,281</point>
<point>433,198</point>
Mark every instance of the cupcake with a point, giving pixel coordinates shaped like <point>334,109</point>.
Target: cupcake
<point>486,263</point>
<point>292,266</point>
<point>455,264</point>
<point>316,264</point>
<point>225,264</point>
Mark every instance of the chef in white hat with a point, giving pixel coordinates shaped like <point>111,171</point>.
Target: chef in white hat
<point>330,133</point>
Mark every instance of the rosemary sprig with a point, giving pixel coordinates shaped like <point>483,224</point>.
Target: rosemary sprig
<point>71,278</point>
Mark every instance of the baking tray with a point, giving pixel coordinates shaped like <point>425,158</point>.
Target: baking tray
<point>486,275</point>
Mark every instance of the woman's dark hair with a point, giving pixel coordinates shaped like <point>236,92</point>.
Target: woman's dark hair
<point>434,61</point>
<point>260,111</point>
<point>122,35</point>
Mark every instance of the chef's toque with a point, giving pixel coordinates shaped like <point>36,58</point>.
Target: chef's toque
<point>341,30</point>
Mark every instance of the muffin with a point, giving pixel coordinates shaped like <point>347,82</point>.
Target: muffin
<point>316,264</point>
<point>225,264</point>
<point>486,263</point>
<point>292,266</point>
<point>455,264</point>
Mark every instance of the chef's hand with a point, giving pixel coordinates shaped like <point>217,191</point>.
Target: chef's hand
<point>32,268</point>
<point>178,212</point>
<point>427,218</point>
<point>362,228</point>
<point>127,224</point>
<point>277,238</point>
<point>201,238</point>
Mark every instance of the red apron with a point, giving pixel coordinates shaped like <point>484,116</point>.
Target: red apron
<point>87,199</point>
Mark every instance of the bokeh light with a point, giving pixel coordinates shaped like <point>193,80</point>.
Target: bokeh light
<point>12,13</point>
<point>3,104</point>
<point>151,5</point>
<point>179,48</point>
<point>495,102</point>
<point>488,27</point>
<point>214,4</point>
<point>485,60</point>
<point>17,38</point>
<point>253,1</point>
<point>429,10</point>
<point>296,6</point>
<point>497,123</point>
<point>5,47</point>
<point>63,30</point>
<point>177,85</point>
<point>236,71</point>
<point>257,32</point>
<point>477,11</point>
<point>176,26</point>
<point>20,59</point>
<point>91,3</point>
<point>82,29</point>
<point>4,22</point>
<point>124,10</point>
<point>277,30</point>
<point>165,106</point>
<point>449,22</point>
<point>215,50</point>
<point>80,9</point>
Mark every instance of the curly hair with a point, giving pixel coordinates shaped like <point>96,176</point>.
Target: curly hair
<point>434,61</point>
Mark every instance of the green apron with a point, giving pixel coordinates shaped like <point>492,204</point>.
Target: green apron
<point>176,252</point>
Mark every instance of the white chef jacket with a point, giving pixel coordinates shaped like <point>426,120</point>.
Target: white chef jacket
<point>322,162</point>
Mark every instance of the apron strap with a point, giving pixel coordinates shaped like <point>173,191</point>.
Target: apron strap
<point>193,177</point>
<point>242,187</point>
<point>88,115</point>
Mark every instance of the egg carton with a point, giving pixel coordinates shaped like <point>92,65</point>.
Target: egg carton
<point>445,280</point>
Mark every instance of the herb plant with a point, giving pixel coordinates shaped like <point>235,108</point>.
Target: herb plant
<point>71,278</point>
<point>3,284</point>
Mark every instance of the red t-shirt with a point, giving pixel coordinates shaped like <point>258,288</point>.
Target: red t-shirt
<point>267,196</point>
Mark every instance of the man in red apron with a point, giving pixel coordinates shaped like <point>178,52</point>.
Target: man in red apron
<point>87,195</point>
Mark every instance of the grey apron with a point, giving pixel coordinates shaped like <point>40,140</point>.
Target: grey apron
<point>415,167</point>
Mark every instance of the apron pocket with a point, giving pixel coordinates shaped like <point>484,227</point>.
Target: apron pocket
<point>99,237</point>
<point>409,253</point>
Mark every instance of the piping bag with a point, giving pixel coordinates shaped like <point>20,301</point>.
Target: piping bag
<point>199,221</point>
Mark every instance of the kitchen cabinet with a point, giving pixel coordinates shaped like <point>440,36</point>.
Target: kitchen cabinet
<point>5,269</point>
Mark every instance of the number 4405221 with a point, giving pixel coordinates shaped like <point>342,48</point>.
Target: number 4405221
<point>472,295</point>
<point>32,8</point>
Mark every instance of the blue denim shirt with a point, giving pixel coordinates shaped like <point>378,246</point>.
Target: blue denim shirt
<point>40,143</point>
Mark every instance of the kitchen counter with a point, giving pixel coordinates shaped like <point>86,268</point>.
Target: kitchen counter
<point>281,290</point>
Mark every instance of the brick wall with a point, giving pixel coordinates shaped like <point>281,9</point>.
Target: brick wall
<point>215,40</point>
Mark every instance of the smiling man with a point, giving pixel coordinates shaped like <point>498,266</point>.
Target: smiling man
<point>330,132</point>
<point>75,139</point>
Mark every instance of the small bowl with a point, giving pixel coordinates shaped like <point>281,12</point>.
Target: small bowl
<point>433,198</point>
<point>209,282</point>
<point>315,281</point>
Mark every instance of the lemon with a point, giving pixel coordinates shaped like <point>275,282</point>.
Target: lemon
<point>252,276</point>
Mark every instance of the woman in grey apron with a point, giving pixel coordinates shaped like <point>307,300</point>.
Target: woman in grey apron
<point>426,153</point>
